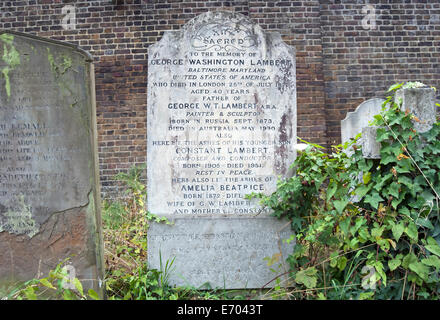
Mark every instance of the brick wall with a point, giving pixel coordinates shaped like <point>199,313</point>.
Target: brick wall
<point>363,63</point>
<point>339,63</point>
<point>298,22</point>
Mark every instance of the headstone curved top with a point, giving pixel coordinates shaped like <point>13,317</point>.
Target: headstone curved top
<point>221,123</point>
<point>49,183</point>
<point>355,121</point>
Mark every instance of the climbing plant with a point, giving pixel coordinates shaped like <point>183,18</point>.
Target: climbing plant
<point>366,228</point>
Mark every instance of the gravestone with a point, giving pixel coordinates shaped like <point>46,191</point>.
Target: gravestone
<point>370,146</point>
<point>221,124</point>
<point>355,121</point>
<point>49,184</point>
<point>421,103</point>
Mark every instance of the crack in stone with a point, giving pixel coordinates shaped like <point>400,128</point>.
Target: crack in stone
<point>58,213</point>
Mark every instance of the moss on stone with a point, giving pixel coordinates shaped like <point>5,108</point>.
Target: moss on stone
<point>11,57</point>
<point>59,68</point>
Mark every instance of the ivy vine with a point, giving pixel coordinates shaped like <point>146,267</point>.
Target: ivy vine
<point>366,228</point>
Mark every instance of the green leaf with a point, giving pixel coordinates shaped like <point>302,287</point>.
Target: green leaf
<point>342,263</point>
<point>406,181</point>
<point>395,87</point>
<point>394,264</point>
<point>412,232</point>
<point>431,241</point>
<point>354,243</point>
<point>433,247</point>
<point>30,293</point>
<point>384,244</point>
<point>427,195</point>
<point>420,269</point>
<point>321,296</point>
<point>413,278</point>
<point>333,259</point>
<point>47,284</point>
<point>365,164</point>
<point>366,177</point>
<point>359,222</point>
<point>333,186</point>
<point>362,190</point>
<point>364,234</point>
<point>405,211</point>
<point>68,295</point>
<point>397,230</point>
<point>345,225</point>
<point>78,286</point>
<point>377,232</point>
<point>340,205</point>
<point>396,202</point>
<point>394,189</point>
<point>432,261</point>
<point>366,295</point>
<point>381,180</point>
<point>425,223</point>
<point>425,295</point>
<point>92,294</point>
<point>404,166</point>
<point>388,158</point>
<point>379,269</point>
<point>373,199</point>
<point>307,277</point>
<point>409,259</point>
<point>382,134</point>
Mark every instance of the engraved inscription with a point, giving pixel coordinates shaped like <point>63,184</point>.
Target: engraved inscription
<point>223,35</point>
<point>44,145</point>
<point>221,125</point>
<point>223,108</point>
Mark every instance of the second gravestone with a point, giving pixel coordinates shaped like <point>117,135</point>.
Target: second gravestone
<point>49,184</point>
<point>221,124</point>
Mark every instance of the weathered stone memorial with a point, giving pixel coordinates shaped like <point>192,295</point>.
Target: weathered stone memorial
<point>419,101</point>
<point>221,124</point>
<point>49,186</point>
<point>357,121</point>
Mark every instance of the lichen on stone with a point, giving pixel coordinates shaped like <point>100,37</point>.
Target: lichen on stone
<point>413,84</point>
<point>59,68</point>
<point>11,57</point>
<point>19,220</point>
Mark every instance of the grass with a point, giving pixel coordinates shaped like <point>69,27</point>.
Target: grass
<point>125,226</point>
<point>127,276</point>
